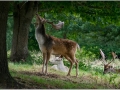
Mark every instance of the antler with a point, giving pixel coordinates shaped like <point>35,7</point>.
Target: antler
<point>103,56</point>
<point>114,55</point>
<point>56,26</point>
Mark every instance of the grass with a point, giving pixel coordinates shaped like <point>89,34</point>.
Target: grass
<point>55,79</point>
<point>29,74</point>
<point>49,82</point>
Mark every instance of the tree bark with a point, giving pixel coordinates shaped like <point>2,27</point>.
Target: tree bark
<point>23,14</point>
<point>5,77</point>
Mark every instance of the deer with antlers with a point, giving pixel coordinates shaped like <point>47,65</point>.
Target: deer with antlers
<point>50,45</point>
<point>107,67</point>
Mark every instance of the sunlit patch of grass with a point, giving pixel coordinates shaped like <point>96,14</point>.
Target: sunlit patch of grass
<point>32,68</point>
<point>20,67</point>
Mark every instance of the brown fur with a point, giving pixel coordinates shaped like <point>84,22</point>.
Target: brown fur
<point>52,45</point>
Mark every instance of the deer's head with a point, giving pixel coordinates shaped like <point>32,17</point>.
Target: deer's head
<point>107,68</point>
<point>57,60</point>
<point>39,20</point>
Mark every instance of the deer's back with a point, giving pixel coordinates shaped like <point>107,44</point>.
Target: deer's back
<point>63,46</point>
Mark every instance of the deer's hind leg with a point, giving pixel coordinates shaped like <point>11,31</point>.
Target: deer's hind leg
<point>71,64</point>
<point>72,60</point>
<point>77,66</point>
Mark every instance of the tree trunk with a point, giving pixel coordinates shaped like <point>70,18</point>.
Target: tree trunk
<point>23,14</point>
<point>5,77</point>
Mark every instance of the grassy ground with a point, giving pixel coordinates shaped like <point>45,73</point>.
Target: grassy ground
<point>31,77</point>
<point>29,74</point>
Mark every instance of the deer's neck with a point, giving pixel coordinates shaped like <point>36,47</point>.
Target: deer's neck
<point>40,34</point>
<point>41,30</point>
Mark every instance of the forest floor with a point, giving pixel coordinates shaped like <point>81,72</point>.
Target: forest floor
<point>84,82</point>
<point>30,77</point>
<point>34,79</point>
<point>30,84</point>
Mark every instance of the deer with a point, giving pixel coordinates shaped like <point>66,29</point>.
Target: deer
<point>58,64</point>
<point>50,45</point>
<point>107,67</point>
<point>110,69</point>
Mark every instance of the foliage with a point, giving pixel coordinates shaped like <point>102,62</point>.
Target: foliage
<point>32,42</point>
<point>103,13</point>
<point>9,32</point>
<point>91,24</point>
<point>35,57</point>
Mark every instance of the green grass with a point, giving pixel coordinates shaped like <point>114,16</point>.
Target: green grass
<point>86,79</point>
<point>29,73</point>
<point>55,83</point>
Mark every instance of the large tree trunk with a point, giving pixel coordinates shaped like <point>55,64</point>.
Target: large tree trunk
<point>5,78</point>
<point>23,14</point>
<point>4,72</point>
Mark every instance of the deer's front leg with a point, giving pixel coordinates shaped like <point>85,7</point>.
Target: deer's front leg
<point>44,61</point>
<point>47,59</point>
